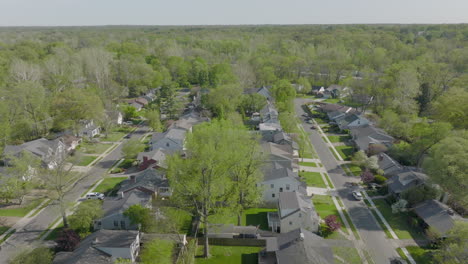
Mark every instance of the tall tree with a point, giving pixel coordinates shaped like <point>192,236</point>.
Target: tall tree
<point>453,248</point>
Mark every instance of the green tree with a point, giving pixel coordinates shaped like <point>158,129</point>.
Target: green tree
<point>447,165</point>
<point>284,94</point>
<point>452,107</point>
<point>154,119</point>
<point>224,100</point>
<point>130,112</point>
<point>252,103</point>
<point>453,248</point>
<point>425,135</point>
<point>132,147</point>
<point>142,216</point>
<point>82,219</point>
<point>40,255</point>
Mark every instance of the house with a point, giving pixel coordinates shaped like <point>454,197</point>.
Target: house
<point>232,231</point>
<point>103,247</point>
<point>114,218</point>
<point>88,129</point>
<point>327,108</point>
<point>364,137</point>
<point>295,210</point>
<point>389,166</point>
<point>115,116</point>
<point>296,246</point>
<point>335,91</point>
<point>281,154</point>
<point>437,216</point>
<point>150,181</point>
<point>405,180</point>
<point>283,138</point>
<point>70,141</point>
<point>349,121</point>
<point>262,91</point>
<point>155,158</point>
<point>50,152</point>
<point>173,140</point>
<point>188,121</point>
<point>137,106</point>
<point>278,179</point>
<point>142,101</point>
<point>269,127</point>
<point>269,114</point>
<point>318,90</point>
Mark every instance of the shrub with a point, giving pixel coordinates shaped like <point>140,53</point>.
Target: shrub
<point>325,230</point>
<point>332,222</point>
<point>367,176</point>
<point>41,255</point>
<point>379,179</point>
<point>67,240</point>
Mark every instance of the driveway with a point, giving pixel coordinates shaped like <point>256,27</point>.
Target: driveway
<point>371,234</point>
<point>29,234</point>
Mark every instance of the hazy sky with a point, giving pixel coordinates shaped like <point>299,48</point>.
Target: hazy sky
<point>208,12</point>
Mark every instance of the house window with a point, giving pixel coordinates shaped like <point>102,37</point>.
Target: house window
<point>273,195</point>
<point>290,223</point>
<point>287,187</point>
<point>167,144</point>
<point>300,214</point>
<point>272,186</point>
<point>281,189</point>
<point>122,224</point>
<point>116,223</point>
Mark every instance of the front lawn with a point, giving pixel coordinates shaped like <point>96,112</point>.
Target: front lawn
<point>308,164</point>
<point>109,185</point>
<point>349,254</point>
<point>324,206</point>
<point>335,139</point>
<point>114,136</point>
<point>398,222</point>
<point>313,179</point>
<point>3,229</point>
<point>94,148</point>
<point>86,160</point>
<point>421,255</point>
<point>346,152</point>
<point>126,163</point>
<point>332,100</point>
<point>229,255</point>
<point>352,169</point>
<point>21,211</point>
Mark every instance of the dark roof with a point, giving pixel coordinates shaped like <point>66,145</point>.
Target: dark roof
<point>294,201</point>
<point>39,147</point>
<point>121,204</point>
<point>406,179</point>
<point>300,246</point>
<point>388,165</point>
<point>436,215</point>
<point>368,134</point>
<point>149,179</point>
<point>325,107</point>
<point>94,248</point>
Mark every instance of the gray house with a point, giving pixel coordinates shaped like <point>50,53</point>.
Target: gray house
<point>389,166</point>
<point>437,216</point>
<point>262,91</point>
<point>88,129</point>
<point>368,135</point>
<point>328,108</point>
<point>296,246</point>
<point>150,181</point>
<point>173,139</point>
<point>103,247</point>
<point>278,179</point>
<point>349,121</point>
<point>295,210</point>
<point>50,152</point>
<point>281,154</point>
<point>405,180</point>
<point>114,218</point>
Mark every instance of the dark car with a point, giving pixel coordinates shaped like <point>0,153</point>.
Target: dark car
<point>128,136</point>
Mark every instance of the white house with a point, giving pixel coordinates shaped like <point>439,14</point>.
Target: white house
<point>278,179</point>
<point>294,211</point>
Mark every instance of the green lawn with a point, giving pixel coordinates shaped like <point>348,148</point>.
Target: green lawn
<point>86,160</point>
<point>349,254</point>
<point>308,164</point>
<point>22,211</point>
<point>335,139</point>
<point>109,184</point>
<point>313,179</point>
<point>332,100</point>
<point>324,206</point>
<point>251,216</point>
<point>229,255</point>
<point>421,255</point>
<point>55,232</point>
<point>346,152</point>
<point>398,222</point>
<point>94,148</point>
<point>126,163</point>
<point>181,220</point>
<point>114,136</point>
<point>158,251</point>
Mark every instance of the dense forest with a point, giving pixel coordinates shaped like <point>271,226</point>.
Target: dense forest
<point>414,77</point>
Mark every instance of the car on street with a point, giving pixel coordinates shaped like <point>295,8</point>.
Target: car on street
<point>95,195</point>
<point>357,195</point>
<point>309,121</point>
<point>128,136</point>
<point>128,123</point>
<point>313,127</point>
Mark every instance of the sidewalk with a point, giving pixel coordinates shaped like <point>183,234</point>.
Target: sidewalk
<point>312,169</point>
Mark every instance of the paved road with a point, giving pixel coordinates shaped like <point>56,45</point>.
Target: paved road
<point>381,248</point>
<point>28,235</point>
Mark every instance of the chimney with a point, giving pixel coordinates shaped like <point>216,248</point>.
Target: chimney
<point>133,179</point>
<point>121,195</point>
<point>301,236</point>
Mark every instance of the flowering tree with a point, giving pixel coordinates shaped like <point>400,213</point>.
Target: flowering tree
<point>367,176</point>
<point>67,240</point>
<point>332,222</point>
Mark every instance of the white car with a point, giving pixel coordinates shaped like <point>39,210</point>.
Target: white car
<point>357,195</point>
<point>95,195</point>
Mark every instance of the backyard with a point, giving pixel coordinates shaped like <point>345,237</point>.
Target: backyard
<point>398,222</point>
<point>313,179</point>
<point>251,216</point>
<point>229,255</point>
<point>109,185</point>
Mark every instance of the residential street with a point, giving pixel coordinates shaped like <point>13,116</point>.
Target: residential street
<point>29,235</point>
<point>381,248</point>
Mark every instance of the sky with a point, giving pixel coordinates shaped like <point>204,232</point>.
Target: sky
<point>228,12</point>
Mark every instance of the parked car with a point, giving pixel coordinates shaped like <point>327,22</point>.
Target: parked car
<point>128,123</point>
<point>357,195</point>
<point>309,121</point>
<point>313,127</point>
<point>95,195</point>
<point>128,136</point>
